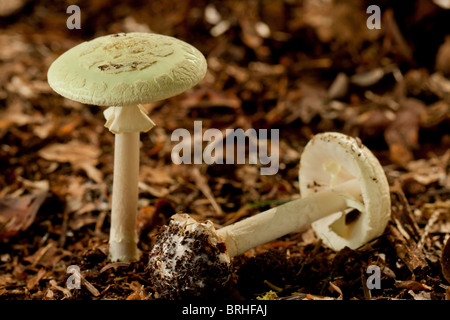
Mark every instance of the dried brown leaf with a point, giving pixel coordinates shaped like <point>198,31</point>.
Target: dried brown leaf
<point>17,214</point>
<point>74,152</point>
<point>402,135</point>
<point>47,256</point>
<point>443,57</point>
<point>33,281</point>
<point>80,155</point>
<point>412,285</point>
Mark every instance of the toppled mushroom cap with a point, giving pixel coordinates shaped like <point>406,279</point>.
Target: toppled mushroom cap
<point>331,159</point>
<point>189,260</point>
<point>127,69</point>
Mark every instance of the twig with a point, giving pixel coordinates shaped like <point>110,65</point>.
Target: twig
<point>66,292</point>
<point>434,217</point>
<point>407,251</point>
<point>90,287</point>
<point>202,184</point>
<point>404,216</point>
<point>41,253</point>
<point>114,265</point>
<point>62,238</point>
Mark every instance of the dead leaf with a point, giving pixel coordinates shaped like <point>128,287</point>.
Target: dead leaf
<point>334,288</point>
<point>17,214</point>
<point>436,113</point>
<point>14,115</point>
<point>160,175</point>
<point>339,88</point>
<point>33,281</point>
<point>210,98</point>
<point>80,155</point>
<point>47,256</point>
<point>439,85</point>
<point>65,291</point>
<point>305,103</point>
<point>91,171</point>
<point>44,130</point>
<point>73,122</point>
<point>425,171</point>
<point>368,78</point>
<point>338,21</point>
<point>443,57</point>
<point>402,135</point>
<point>13,44</point>
<point>399,153</point>
<point>445,4</point>
<point>412,285</point>
<point>73,152</point>
<point>394,40</point>
<point>420,296</point>
<point>146,218</point>
<point>6,279</point>
<point>139,292</point>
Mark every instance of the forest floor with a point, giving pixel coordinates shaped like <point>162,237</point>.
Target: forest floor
<point>296,66</point>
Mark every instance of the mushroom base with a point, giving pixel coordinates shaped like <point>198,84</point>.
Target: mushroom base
<point>124,251</point>
<point>189,260</point>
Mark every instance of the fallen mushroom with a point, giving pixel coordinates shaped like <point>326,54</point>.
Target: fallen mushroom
<point>122,71</point>
<point>338,176</point>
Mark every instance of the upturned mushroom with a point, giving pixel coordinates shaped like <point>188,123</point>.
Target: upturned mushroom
<point>123,71</point>
<point>345,196</point>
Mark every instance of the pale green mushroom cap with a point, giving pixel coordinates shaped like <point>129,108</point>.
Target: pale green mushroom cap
<point>127,69</point>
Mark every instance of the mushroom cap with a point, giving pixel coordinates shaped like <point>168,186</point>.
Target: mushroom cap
<point>189,260</point>
<point>330,159</point>
<point>126,69</point>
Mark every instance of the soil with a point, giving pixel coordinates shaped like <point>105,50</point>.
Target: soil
<point>301,67</point>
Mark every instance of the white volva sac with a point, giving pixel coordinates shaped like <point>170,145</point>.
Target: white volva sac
<point>123,71</point>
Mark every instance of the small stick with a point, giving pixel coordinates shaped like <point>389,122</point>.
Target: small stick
<point>434,217</point>
<point>90,287</point>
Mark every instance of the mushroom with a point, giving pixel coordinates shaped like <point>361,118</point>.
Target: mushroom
<point>123,71</point>
<point>345,196</point>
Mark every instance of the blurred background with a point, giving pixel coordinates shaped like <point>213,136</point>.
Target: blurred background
<point>302,67</point>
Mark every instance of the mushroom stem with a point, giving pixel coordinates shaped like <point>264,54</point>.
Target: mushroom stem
<point>123,235</point>
<point>279,221</point>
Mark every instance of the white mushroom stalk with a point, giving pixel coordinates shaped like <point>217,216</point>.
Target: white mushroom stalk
<point>338,176</point>
<point>126,123</point>
<point>289,217</point>
<point>123,71</point>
